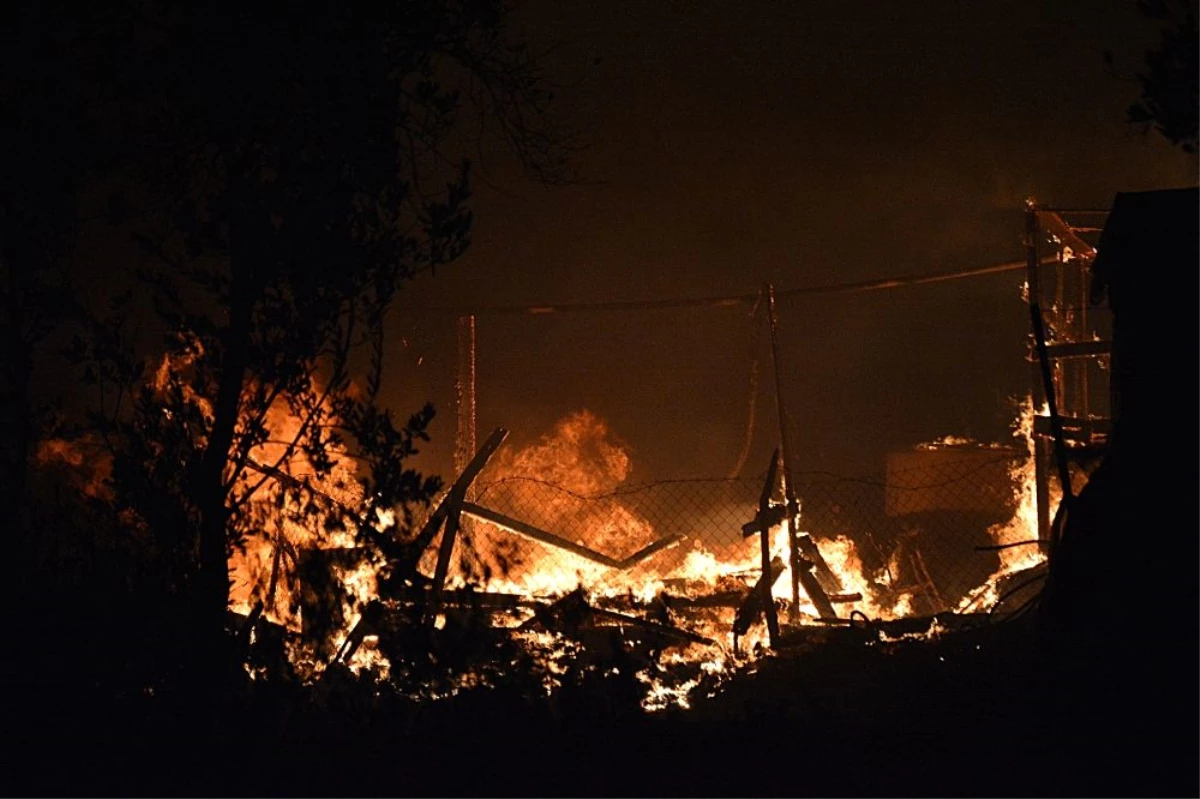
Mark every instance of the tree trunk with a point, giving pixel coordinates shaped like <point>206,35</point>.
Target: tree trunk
<point>211,491</point>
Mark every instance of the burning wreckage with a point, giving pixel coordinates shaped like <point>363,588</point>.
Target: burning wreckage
<point>475,591</point>
<point>478,593</point>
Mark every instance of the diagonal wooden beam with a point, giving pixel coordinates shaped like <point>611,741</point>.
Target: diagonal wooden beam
<point>450,510</point>
<point>545,537</point>
<point>474,467</point>
<point>650,549</point>
<point>537,534</point>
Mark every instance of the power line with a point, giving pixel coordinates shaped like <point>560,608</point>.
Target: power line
<point>728,301</point>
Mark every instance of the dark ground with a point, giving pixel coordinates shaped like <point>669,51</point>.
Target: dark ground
<point>967,715</point>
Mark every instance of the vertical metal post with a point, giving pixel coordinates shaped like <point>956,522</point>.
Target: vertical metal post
<point>1085,333</point>
<point>464,395</point>
<point>1041,447</point>
<point>785,451</point>
<point>1043,359</point>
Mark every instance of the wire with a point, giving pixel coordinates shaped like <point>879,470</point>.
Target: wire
<point>727,302</point>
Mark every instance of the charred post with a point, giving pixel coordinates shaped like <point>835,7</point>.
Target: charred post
<point>785,449</point>
<point>449,512</point>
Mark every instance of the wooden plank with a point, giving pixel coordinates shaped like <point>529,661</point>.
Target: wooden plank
<point>451,509</point>
<point>480,460</point>
<point>650,549</point>
<point>446,548</point>
<point>459,488</point>
<point>752,605</point>
<point>1073,427</point>
<point>1053,222</point>
<point>519,527</point>
<point>1078,349</point>
<point>537,534</point>
<point>812,587</point>
<point>808,550</point>
<point>764,521</point>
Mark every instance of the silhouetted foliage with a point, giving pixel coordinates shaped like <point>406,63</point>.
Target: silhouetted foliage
<point>1170,86</point>
<point>46,149</point>
<point>284,170</point>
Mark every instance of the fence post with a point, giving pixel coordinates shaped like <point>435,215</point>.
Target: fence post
<point>464,396</point>
<point>1045,371</point>
<point>785,451</point>
<point>1041,446</point>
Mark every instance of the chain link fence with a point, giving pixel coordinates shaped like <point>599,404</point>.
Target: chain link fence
<point>918,540</point>
<point>610,404</point>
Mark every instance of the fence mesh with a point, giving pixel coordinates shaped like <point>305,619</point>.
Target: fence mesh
<point>917,542</point>
<point>858,377</point>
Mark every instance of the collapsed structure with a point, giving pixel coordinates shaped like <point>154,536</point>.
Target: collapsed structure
<point>587,570</point>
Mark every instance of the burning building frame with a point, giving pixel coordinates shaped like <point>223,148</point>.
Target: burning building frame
<point>1070,350</point>
<point>546,544</point>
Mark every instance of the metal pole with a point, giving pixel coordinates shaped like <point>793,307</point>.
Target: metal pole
<point>785,451</point>
<point>1041,448</point>
<point>1060,447</point>
<point>1047,377</point>
<point>464,394</point>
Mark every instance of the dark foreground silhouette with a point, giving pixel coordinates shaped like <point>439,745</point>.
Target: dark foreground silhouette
<point>972,714</point>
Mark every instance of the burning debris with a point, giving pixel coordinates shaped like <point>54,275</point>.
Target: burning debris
<point>590,588</point>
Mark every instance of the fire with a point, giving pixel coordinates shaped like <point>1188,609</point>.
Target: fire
<point>580,461</point>
<point>1023,526</point>
<point>570,483</point>
<point>579,455</point>
<point>288,525</point>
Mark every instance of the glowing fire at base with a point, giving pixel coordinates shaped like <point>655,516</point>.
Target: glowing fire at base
<point>581,459</point>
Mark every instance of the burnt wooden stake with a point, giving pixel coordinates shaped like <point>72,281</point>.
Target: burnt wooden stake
<point>752,606</point>
<point>767,516</point>
<point>812,587</point>
<point>808,551</point>
<point>785,448</point>
<point>449,511</point>
<point>519,527</point>
<point>801,562</point>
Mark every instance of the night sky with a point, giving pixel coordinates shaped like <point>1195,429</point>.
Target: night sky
<point>730,143</point>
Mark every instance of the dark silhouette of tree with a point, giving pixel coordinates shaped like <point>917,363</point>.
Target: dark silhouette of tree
<point>44,140</point>
<point>1170,86</point>
<point>289,167</point>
